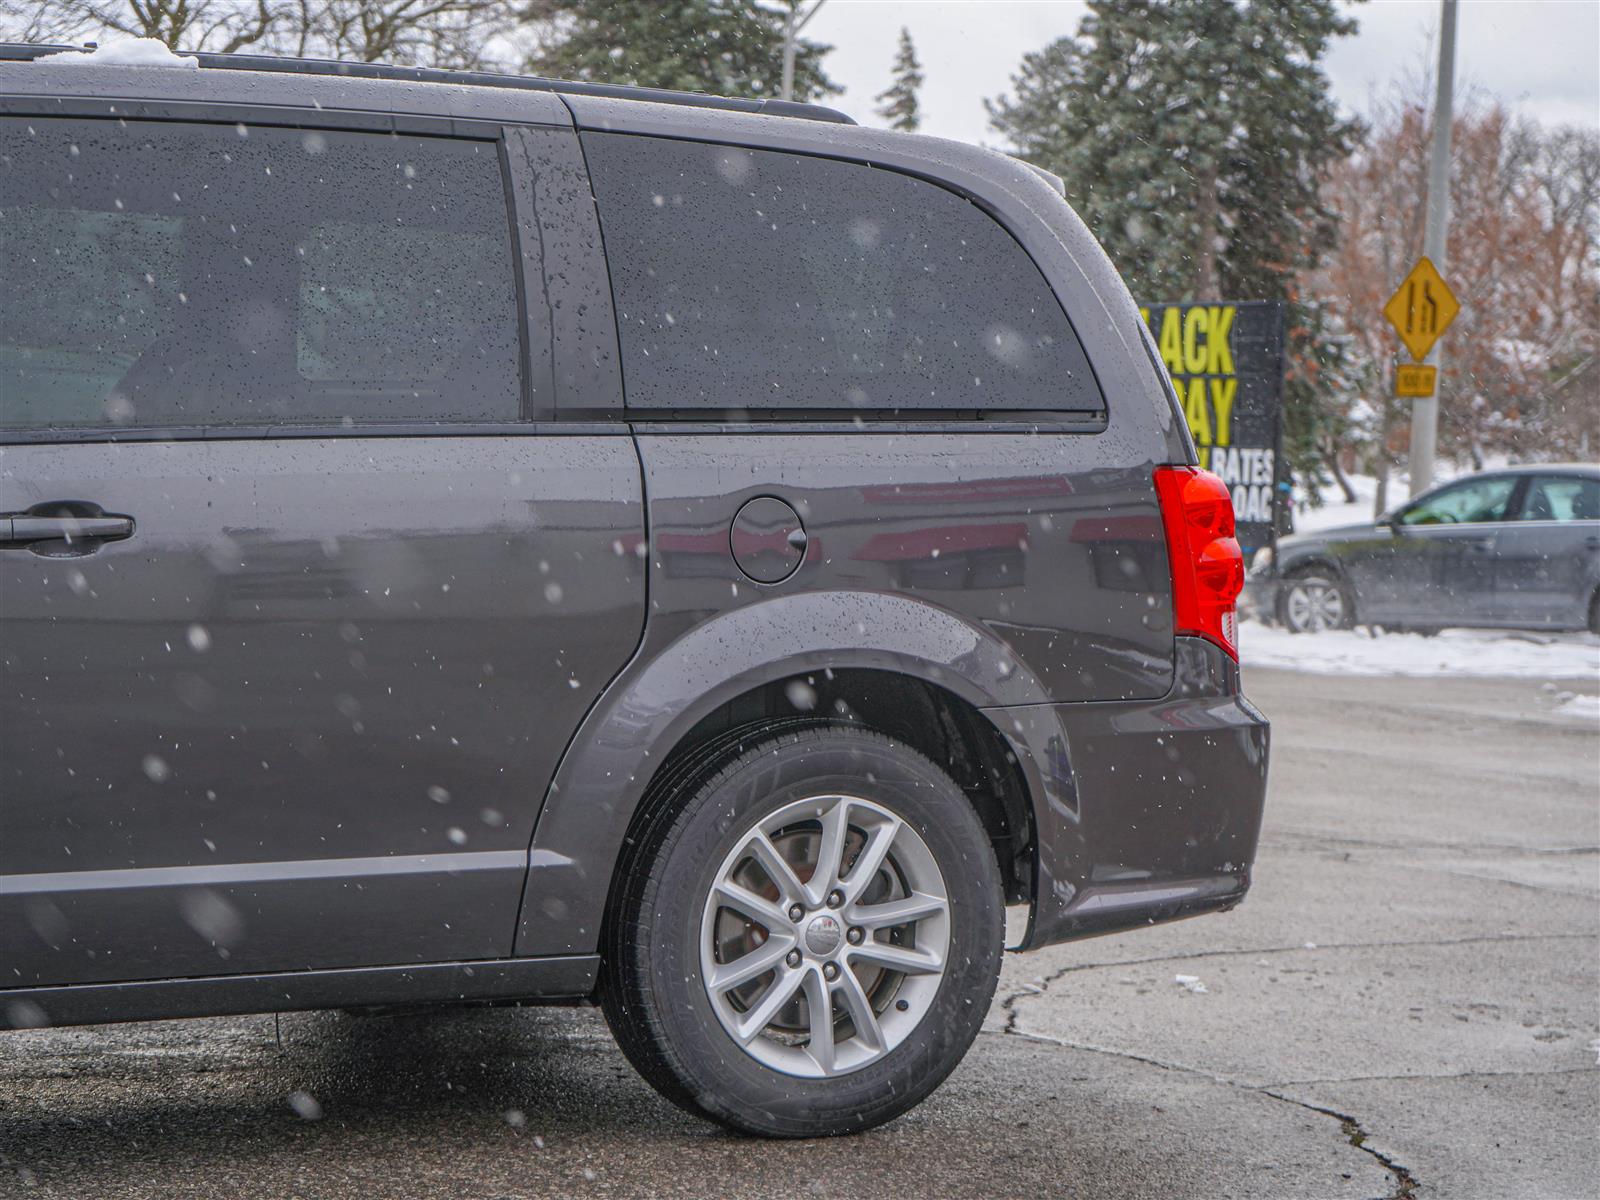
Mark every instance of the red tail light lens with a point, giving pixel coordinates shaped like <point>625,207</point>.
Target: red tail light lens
<point>1207,564</point>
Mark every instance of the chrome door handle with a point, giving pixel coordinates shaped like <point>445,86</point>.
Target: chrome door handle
<point>65,529</point>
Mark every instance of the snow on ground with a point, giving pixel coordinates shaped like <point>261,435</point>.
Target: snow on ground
<point>1578,706</point>
<point>129,52</point>
<point>1461,652</point>
<point>1335,511</point>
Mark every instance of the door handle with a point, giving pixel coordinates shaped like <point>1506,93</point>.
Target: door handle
<point>63,529</point>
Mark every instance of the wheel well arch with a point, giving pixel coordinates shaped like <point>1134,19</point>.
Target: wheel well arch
<point>947,729</point>
<point>667,701</point>
<point>1319,564</point>
<point>1313,563</point>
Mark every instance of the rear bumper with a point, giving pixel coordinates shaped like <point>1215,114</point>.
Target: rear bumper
<point>1144,811</point>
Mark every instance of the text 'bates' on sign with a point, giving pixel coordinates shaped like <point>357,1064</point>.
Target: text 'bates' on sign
<point>1226,363</point>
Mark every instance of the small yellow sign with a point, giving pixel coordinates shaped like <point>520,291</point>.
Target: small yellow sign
<point>1414,381</point>
<point>1421,308</point>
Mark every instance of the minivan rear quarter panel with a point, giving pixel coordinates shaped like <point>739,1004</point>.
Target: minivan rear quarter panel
<point>1026,536</point>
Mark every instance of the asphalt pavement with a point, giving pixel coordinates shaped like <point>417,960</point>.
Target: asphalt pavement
<point>1407,1005</point>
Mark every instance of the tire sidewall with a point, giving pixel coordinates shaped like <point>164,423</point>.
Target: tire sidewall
<point>1347,612</point>
<point>722,1077</point>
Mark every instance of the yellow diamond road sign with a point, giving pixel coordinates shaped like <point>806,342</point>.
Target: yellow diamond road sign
<point>1422,308</point>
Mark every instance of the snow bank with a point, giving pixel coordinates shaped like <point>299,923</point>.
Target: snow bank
<point>130,52</point>
<point>1579,707</point>
<point>1463,652</point>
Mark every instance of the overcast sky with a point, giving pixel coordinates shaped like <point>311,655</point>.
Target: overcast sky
<point>1540,56</point>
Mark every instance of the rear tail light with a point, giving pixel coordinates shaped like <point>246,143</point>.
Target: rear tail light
<point>1207,564</point>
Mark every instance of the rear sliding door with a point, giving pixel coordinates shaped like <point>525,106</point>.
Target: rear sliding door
<point>297,607</point>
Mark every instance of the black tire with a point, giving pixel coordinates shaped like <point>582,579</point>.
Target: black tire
<point>1594,613</point>
<point>1312,600</point>
<point>652,989</point>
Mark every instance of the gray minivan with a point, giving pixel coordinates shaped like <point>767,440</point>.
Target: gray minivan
<point>480,539</point>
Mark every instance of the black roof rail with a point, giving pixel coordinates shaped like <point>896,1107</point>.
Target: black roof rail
<point>27,51</point>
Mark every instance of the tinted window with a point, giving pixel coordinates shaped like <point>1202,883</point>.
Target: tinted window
<point>1561,498</point>
<point>1471,501</point>
<point>164,274</point>
<point>755,279</point>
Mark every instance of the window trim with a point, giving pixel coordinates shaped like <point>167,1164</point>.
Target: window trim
<point>1532,480</point>
<point>1519,490</point>
<point>252,433</point>
<point>1077,420</point>
<point>523,293</point>
<point>527,259</point>
<point>212,112</point>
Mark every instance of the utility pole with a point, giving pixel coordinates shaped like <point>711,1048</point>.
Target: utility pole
<point>793,23</point>
<point>1425,409</point>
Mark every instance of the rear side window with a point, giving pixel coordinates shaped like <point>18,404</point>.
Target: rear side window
<point>748,279</point>
<point>1562,498</point>
<point>159,274</point>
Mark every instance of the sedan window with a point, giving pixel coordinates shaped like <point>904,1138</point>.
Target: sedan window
<point>1472,501</point>
<point>1562,498</point>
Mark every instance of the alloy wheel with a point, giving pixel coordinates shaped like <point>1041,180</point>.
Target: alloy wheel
<point>825,936</point>
<point>1314,605</point>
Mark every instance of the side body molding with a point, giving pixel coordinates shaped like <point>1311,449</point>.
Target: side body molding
<point>667,689</point>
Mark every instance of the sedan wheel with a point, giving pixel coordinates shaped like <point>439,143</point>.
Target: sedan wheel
<point>1313,604</point>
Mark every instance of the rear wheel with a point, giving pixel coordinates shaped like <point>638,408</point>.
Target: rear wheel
<point>1314,602</point>
<point>806,940</point>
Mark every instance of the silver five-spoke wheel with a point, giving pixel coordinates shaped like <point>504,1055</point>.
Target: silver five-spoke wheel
<point>825,936</point>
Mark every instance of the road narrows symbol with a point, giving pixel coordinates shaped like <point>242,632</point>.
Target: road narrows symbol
<point>1421,308</point>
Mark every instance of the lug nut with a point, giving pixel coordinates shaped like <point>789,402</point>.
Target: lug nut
<point>796,912</point>
<point>792,958</point>
<point>835,899</point>
<point>856,934</point>
<point>830,971</point>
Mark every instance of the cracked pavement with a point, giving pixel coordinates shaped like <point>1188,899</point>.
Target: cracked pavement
<point>1408,1005</point>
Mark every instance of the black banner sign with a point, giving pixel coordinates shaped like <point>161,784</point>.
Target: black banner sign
<point>1226,363</point>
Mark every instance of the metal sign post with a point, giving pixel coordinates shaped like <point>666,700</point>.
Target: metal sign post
<point>1425,409</point>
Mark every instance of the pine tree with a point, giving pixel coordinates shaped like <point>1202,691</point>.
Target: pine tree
<point>1193,136</point>
<point>720,47</point>
<point>897,104</point>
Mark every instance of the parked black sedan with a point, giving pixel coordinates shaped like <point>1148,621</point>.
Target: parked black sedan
<point>1516,549</point>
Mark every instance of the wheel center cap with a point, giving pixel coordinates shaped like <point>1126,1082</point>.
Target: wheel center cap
<point>823,935</point>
